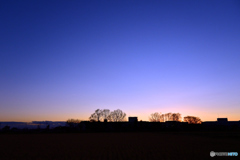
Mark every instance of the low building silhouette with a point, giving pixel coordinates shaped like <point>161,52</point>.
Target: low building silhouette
<point>132,119</point>
<point>221,123</point>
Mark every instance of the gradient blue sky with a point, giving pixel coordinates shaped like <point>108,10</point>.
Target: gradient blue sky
<point>65,59</point>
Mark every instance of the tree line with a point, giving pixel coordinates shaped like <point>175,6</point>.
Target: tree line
<point>118,115</point>
<point>158,117</point>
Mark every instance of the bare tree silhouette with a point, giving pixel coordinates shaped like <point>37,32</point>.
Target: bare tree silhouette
<point>105,114</point>
<point>155,117</point>
<point>167,116</point>
<point>176,117</point>
<point>96,116</point>
<point>158,117</point>
<point>117,116</point>
<point>162,118</point>
<point>192,120</point>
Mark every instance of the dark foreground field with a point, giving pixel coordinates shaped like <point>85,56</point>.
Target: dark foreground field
<point>129,146</point>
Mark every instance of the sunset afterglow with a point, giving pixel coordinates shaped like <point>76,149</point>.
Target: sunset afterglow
<point>65,59</point>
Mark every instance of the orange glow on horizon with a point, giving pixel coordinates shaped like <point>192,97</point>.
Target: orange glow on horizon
<point>141,114</point>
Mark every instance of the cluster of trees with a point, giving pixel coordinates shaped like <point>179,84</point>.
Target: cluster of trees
<point>192,120</point>
<point>119,116</point>
<point>158,117</point>
<point>105,115</point>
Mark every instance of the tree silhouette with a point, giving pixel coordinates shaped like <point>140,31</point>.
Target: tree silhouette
<point>167,116</point>
<point>155,117</point>
<point>176,117</point>
<point>117,116</point>
<point>158,117</point>
<point>96,116</point>
<point>162,118</point>
<point>105,114</point>
<point>192,120</point>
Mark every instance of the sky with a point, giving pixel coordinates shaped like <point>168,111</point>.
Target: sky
<point>64,59</point>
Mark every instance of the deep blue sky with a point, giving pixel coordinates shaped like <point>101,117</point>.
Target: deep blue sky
<point>64,59</point>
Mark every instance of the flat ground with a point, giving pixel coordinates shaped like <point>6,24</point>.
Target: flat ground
<point>125,146</point>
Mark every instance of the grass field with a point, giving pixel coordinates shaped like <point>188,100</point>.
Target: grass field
<point>114,146</point>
